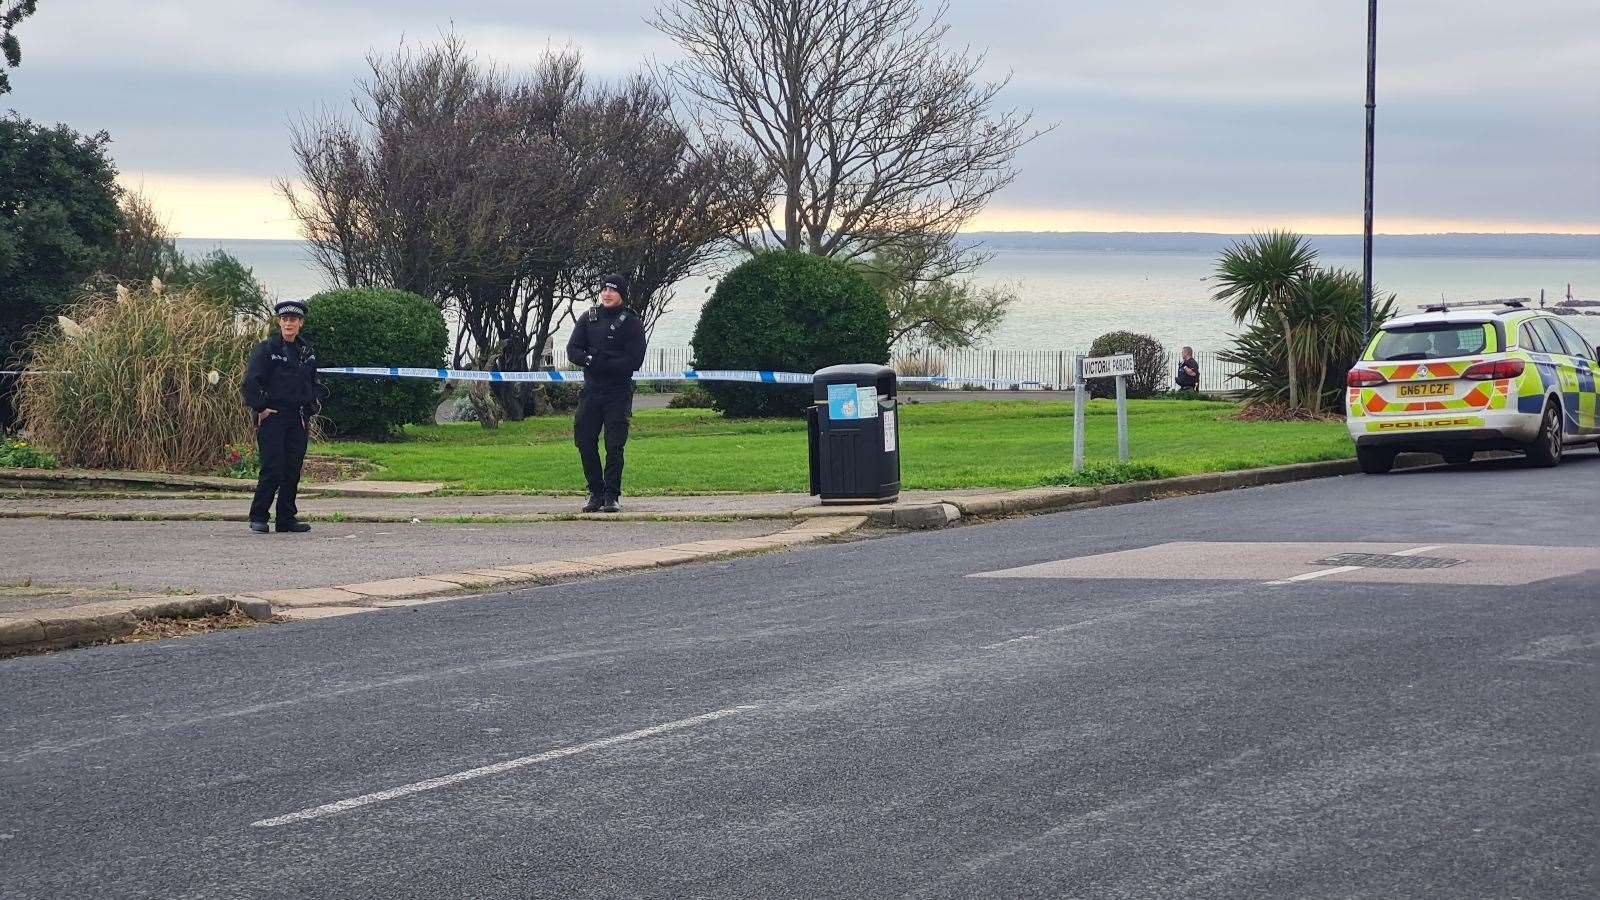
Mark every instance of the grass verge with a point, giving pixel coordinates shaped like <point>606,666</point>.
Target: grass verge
<point>944,446</point>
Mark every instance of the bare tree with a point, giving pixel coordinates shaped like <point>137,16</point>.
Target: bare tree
<point>878,134</point>
<point>668,200</point>
<point>504,199</point>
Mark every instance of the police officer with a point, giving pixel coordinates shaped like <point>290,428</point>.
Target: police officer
<point>280,387</point>
<point>1188,375</point>
<point>608,343</point>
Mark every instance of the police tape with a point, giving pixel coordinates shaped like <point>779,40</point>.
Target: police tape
<point>556,377</point>
<point>559,377</point>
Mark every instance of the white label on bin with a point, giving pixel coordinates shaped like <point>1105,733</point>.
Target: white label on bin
<point>866,403</point>
<point>888,431</point>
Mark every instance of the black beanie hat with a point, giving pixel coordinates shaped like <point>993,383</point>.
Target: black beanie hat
<point>617,282</point>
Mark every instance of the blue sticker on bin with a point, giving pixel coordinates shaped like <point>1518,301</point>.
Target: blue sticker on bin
<point>841,402</point>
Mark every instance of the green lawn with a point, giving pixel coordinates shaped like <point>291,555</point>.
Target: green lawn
<point>943,445</point>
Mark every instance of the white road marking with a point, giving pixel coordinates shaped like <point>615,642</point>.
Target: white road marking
<point>317,812</point>
<point>1317,574</point>
<point>1415,550</point>
<point>1015,640</point>
<point>1337,570</point>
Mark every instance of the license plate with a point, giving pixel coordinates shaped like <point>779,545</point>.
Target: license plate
<point>1437,389</point>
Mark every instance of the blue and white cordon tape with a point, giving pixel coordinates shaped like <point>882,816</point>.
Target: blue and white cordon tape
<point>759,377</point>
<point>565,377</point>
<point>755,377</point>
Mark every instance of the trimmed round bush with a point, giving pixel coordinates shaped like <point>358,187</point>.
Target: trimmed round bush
<point>1150,373</point>
<point>789,312</point>
<point>376,327</point>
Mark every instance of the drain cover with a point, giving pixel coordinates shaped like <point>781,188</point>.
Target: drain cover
<point>1388,561</point>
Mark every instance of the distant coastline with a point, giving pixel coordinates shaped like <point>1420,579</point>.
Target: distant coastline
<point>1525,246</point>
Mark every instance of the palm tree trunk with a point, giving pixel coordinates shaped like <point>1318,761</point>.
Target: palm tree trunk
<point>1291,362</point>
<point>1316,387</point>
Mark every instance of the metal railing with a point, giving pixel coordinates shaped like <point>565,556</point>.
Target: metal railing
<point>1000,369</point>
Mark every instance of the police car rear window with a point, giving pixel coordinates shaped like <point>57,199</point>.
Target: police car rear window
<point>1431,341</point>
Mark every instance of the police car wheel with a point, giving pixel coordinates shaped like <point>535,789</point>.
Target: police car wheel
<point>1545,451</point>
<point>1374,460</point>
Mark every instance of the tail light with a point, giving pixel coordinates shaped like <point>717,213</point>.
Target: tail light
<point>1363,378</point>
<point>1494,371</point>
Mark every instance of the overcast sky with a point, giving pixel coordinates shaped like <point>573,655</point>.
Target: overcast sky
<point>1227,115</point>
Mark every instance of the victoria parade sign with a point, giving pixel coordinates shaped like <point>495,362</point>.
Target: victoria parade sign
<point>1106,366</point>
<point>1118,367</point>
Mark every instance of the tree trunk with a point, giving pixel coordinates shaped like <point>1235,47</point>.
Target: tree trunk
<point>511,394</point>
<point>1318,385</point>
<point>1291,363</point>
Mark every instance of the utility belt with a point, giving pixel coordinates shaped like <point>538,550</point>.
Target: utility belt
<point>286,410</point>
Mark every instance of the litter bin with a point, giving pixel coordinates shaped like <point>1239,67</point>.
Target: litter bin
<point>854,431</point>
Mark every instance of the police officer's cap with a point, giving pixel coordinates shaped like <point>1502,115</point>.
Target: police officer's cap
<point>290,308</point>
<point>616,282</point>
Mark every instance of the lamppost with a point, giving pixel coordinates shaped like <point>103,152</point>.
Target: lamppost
<point>1366,225</point>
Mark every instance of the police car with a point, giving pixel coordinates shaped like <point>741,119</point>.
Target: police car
<point>1464,377</point>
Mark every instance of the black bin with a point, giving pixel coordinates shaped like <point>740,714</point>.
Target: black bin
<point>854,426</point>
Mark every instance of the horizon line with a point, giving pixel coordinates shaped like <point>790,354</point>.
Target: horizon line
<point>1593,234</point>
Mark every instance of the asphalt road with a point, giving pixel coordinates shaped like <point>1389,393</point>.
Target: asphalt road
<point>876,718</point>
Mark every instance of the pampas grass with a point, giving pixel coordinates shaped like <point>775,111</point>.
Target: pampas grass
<point>152,382</point>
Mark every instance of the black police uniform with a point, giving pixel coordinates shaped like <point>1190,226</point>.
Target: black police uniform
<point>281,376</point>
<point>609,345</point>
<point>1188,376</point>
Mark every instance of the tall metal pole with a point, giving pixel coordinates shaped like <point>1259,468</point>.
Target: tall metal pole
<point>1372,105</point>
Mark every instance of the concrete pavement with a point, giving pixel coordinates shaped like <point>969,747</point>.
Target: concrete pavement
<point>868,719</point>
<point>223,557</point>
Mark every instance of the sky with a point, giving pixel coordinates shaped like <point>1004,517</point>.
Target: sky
<point>1169,115</point>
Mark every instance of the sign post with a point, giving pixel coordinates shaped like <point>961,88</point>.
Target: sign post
<point>1118,367</point>
<point>1122,418</point>
<point>1080,399</point>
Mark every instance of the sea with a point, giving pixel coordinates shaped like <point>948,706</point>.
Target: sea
<point>1074,287</point>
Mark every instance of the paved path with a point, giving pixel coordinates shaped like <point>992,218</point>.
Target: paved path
<point>878,718</point>
<point>219,557</point>
<point>772,505</point>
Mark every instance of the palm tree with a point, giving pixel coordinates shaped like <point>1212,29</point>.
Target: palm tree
<point>1329,318</point>
<point>1264,277</point>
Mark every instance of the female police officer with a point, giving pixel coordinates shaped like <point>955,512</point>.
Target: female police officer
<point>280,387</point>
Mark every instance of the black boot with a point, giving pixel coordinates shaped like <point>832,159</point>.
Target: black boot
<point>594,504</point>
<point>294,527</point>
<point>258,527</point>
<point>610,505</point>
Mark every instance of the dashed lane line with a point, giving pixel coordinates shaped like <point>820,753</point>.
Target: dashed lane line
<point>328,809</point>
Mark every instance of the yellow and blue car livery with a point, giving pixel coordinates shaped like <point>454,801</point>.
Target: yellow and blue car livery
<point>1463,378</point>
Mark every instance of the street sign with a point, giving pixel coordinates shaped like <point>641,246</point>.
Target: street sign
<point>1106,366</point>
<point>1118,367</point>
